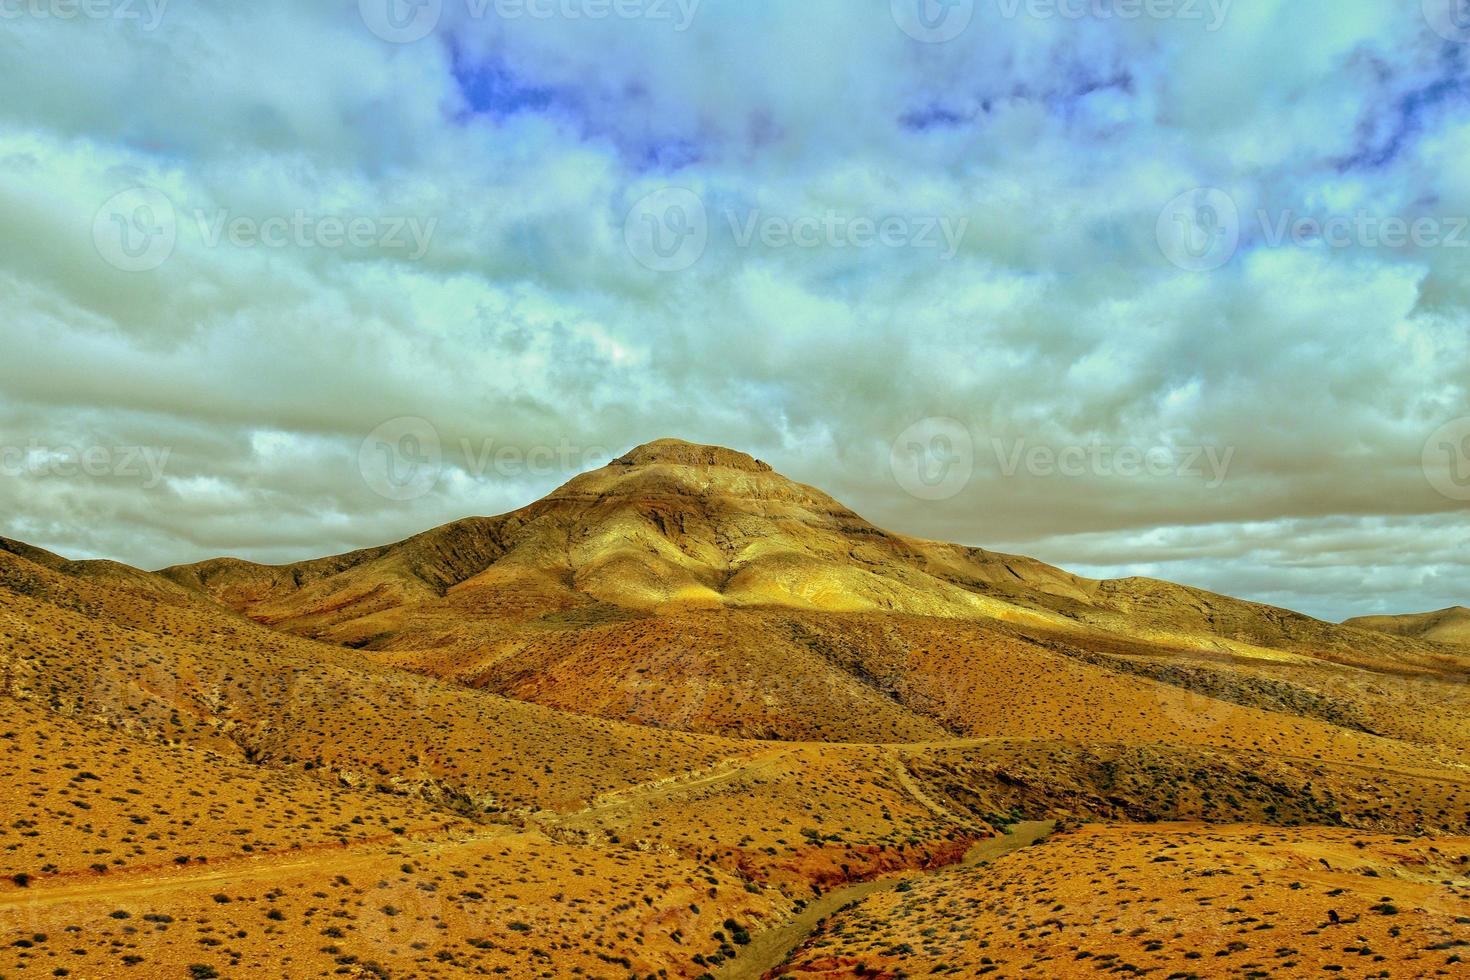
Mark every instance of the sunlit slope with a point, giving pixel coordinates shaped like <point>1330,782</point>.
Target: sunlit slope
<point>122,856</point>
<point>668,525</point>
<point>673,526</point>
<point>1170,900</point>
<point>213,680</point>
<point>1445,626</point>
<point>240,694</point>
<point>692,587</point>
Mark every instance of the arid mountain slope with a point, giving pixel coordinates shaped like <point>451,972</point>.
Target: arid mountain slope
<point>109,573</point>
<point>1175,900</point>
<point>1445,626</point>
<point>673,526</point>
<point>692,587</point>
<point>248,696</point>
<point>668,525</point>
<point>214,680</point>
<point>1040,731</point>
<point>623,729</point>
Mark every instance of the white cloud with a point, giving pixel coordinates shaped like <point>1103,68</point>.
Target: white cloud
<point>1054,145</point>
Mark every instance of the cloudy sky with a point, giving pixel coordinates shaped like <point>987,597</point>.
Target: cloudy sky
<point>1167,287</point>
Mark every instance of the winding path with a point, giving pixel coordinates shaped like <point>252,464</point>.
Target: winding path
<point>771,948</point>
<point>142,882</point>
<point>145,882</point>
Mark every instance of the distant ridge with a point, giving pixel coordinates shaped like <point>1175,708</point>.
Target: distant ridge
<point>1450,625</point>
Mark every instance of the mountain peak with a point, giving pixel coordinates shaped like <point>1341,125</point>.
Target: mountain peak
<point>677,452</point>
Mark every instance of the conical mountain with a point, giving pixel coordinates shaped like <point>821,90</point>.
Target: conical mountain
<point>670,523</point>
<point>694,587</point>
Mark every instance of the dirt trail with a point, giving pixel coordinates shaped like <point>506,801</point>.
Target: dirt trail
<point>907,781</point>
<point>773,947</point>
<point>767,951</point>
<point>337,858</point>
<point>144,883</point>
<point>721,772</point>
